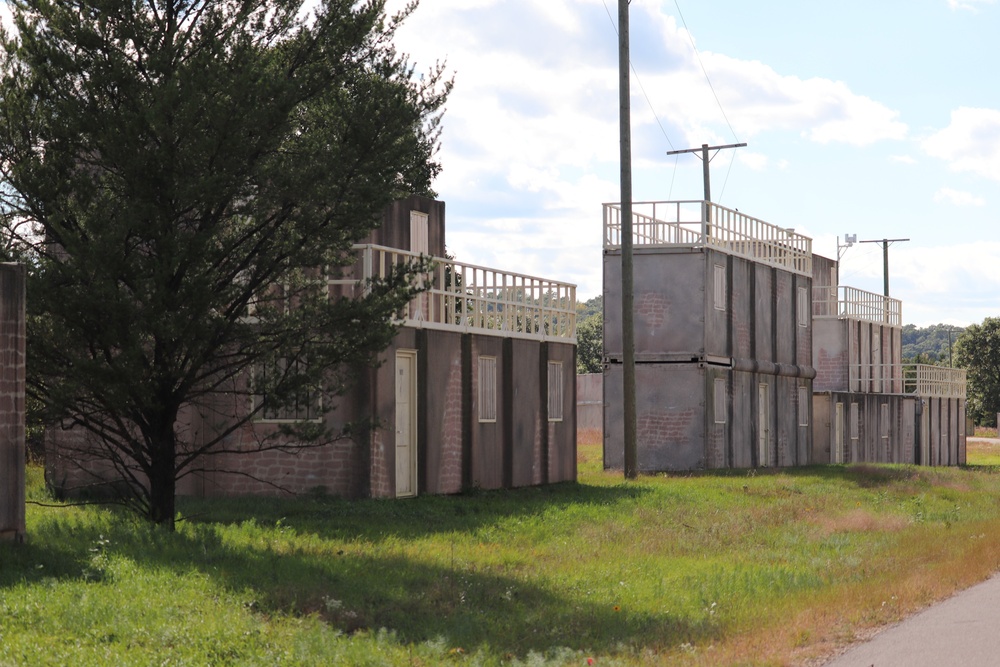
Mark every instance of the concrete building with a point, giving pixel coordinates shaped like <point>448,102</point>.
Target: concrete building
<point>869,406</point>
<point>723,339</point>
<point>750,354</point>
<point>477,390</point>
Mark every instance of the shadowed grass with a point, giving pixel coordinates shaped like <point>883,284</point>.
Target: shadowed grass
<point>740,567</point>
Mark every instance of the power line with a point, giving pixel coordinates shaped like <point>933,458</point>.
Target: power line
<point>703,70</point>
<point>638,81</point>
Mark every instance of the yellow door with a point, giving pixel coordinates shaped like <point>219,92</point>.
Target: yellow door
<point>406,424</point>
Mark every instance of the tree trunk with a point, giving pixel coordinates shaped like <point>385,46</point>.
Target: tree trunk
<point>163,480</point>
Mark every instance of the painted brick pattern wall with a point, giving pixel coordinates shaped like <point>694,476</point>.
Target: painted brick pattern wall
<point>663,427</point>
<point>831,371</point>
<point>450,467</point>
<point>12,368</point>
<point>333,469</point>
<point>382,485</point>
<point>652,308</point>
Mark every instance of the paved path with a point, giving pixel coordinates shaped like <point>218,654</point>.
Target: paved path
<point>963,630</point>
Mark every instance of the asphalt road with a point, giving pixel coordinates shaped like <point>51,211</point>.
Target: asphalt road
<point>963,630</point>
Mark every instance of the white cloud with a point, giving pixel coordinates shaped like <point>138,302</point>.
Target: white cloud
<point>969,5</point>
<point>903,159</point>
<point>970,143</point>
<point>958,198</point>
<point>955,283</point>
<point>530,138</point>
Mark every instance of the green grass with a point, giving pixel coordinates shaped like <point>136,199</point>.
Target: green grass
<point>731,568</point>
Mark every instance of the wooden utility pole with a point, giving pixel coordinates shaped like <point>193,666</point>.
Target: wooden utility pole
<point>885,243</point>
<point>705,159</point>
<point>631,462</point>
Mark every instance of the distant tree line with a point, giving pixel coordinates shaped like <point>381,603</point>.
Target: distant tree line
<point>590,336</point>
<point>930,345</point>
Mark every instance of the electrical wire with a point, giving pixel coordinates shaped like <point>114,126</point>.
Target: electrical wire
<point>703,70</point>
<point>638,80</point>
<point>642,88</point>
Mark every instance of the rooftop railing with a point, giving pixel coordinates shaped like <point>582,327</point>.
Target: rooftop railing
<point>927,380</point>
<point>851,303</point>
<point>697,223</point>
<point>913,379</point>
<point>470,298</point>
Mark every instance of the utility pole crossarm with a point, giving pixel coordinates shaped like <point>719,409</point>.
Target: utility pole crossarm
<point>706,159</point>
<point>885,243</point>
<point>704,148</point>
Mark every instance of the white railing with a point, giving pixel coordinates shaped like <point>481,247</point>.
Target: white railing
<point>851,303</point>
<point>927,380</point>
<point>469,298</point>
<point>914,379</point>
<point>698,223</point>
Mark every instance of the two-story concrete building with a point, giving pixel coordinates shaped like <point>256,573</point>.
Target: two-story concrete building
<point>750,354</point>
<point>867,404</point>
<point>723,338</point>
<point>476,390</point>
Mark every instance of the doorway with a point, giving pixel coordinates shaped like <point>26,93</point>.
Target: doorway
<point>406,423</point>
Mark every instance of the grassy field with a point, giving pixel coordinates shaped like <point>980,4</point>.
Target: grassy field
<point>736,568</point>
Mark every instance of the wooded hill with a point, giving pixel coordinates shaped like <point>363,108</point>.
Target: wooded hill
<point>930,343</point>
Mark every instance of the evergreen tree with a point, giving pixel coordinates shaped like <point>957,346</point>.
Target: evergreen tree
<point>178,174</point>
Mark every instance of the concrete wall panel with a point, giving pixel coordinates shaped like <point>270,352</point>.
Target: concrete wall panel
<point>526,413</point>
<point>561,440</point>
<point>764,333</point>
<point>590,401</point>
<point>487,446</point>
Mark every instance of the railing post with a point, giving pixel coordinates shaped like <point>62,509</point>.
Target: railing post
<point>366,270</point>
<point>705,221</point>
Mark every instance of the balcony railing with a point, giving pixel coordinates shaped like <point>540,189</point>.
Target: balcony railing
<point>927,380</point>
<point>914,379</point>
<point>851,303</point>
<point>469,298</point>
<point>699,223</point>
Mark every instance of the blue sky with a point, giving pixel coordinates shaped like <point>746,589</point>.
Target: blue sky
<point>876,119</point>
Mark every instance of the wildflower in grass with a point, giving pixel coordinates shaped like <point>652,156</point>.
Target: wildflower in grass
<point>617,608</point>
<point>590,661</point>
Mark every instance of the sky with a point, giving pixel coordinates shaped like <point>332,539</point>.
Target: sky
<point>878,119</point>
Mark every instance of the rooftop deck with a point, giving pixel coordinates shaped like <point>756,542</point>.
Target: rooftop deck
<point>694,223</point>
<point>475,299</point>
<point>856,304</point>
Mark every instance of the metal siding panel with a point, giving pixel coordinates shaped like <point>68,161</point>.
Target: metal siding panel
<point>717,321</point>
<point>784,321</point>
<point>487,445</point>
<point>614,418</point>
<point>562,434</point>
<point>612,305</point>
<point>670,303</point>
<point>742,309</point>
<point>743,425</point>
<point>670,417</point>
<point>526,420</point>
<point>764,322</point>
<point>822,426</point>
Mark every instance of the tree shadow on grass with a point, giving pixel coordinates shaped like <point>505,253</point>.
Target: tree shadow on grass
<point>368,586</point>
<point>865,475</point>
<point>331,517</point>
